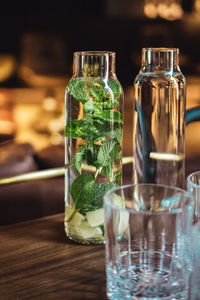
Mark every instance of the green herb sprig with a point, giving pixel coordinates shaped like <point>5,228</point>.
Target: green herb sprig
<point>101,129</point>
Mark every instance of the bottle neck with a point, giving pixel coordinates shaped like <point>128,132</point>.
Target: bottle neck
<point>94,64</point>
<point>160,59</point>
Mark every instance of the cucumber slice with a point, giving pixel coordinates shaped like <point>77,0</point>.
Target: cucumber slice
<point>73,217</point>
<point>68,212</point>
<point>121,222</point>
<point>121,217</point>
<point>95,217</point>
<point>84,231</point>
<point>119,201</point>
<point>77,219</point>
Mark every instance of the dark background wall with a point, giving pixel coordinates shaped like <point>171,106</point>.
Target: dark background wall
<point>117,25</point>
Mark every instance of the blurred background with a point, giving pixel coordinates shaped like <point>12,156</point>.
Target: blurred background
<point>38,38</point>
<point>37,41</point>
<point>42,35</point>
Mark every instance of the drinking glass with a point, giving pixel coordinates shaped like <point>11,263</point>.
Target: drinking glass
<point>148,242</point>
<point>195,275</point>
<point>193,186</point>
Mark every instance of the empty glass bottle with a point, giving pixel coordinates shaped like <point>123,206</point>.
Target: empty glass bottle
<point>93,143</point>
<point>159,123</point>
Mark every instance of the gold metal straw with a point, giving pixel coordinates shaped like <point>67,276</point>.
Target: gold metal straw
<point>44,174</point>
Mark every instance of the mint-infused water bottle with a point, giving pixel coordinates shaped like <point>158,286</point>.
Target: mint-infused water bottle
<point>93,143</point>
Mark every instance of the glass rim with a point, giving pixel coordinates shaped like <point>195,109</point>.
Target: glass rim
<point>133,211</point>
<point>189,181</point>
<point>161,49</point>
<point>95,52</point>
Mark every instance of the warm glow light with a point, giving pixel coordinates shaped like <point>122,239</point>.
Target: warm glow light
<point>175,11</point>
<point>166,9</point>
<point>163,10</point>
<point>166,156</point>
<point>197,5</point>
<point>150,10</point>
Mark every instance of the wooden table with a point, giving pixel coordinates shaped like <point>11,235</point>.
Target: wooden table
<point>37,261</point>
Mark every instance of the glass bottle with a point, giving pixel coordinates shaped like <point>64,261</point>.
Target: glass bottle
<point>93,143</point>
<point>159,120</point>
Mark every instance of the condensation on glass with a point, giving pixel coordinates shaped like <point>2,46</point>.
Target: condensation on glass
<point>159,119</point>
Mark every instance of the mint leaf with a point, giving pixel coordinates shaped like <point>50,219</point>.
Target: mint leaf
<point>82,190</point>
<point>78,89</point>
<point>78,159</point>
<point>116,88</point>
<point>99,192</point>
<point>94,127</point>
<point>118,176</point>
<point>71,128</point>
<point>83,128</point>
<point>85,90</point>
<point>109,159</point>
<point>89,107</point>
<point>109,104</point>
<point>88,195</point>
<point>107,171</point>
<point>117,134</point>
<point>96,89</point>
<point>107,153</point>
<point>110,116</point>
<point>91,155</point>
<point>92,106</point>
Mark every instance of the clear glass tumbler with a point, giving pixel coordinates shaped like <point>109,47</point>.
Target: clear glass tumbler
<point>148,242</point>
<point>193,186</point>
<point>159,122</point>
<point>93,143</point>
<point>195,276</point>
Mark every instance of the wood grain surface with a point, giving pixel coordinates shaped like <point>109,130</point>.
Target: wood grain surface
<point>37,261</point>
